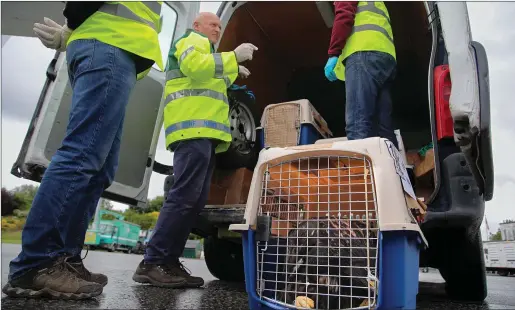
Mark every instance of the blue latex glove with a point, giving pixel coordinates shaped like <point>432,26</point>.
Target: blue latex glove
<point>244,87</point>
<point>329,69</point>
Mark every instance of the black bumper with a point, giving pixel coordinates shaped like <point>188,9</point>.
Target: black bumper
<point>218,216</point>
<point>458,204</point>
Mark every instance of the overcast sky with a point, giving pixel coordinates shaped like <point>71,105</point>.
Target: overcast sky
<point>24,61</point>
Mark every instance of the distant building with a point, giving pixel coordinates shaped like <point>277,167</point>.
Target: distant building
<point>507,231</point>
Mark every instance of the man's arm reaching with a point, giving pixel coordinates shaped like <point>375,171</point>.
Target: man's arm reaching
<point>201,66</point>
<point>345,11</point>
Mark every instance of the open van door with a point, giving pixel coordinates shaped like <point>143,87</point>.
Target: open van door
<point>470,94</point>
<point>18,17</point>
<point>143,119</point>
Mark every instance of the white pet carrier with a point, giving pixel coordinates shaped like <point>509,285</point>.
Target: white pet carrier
<point>327,226</point>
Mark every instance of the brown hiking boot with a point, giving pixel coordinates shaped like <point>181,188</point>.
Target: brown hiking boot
<point>56,281</point>
<point>87,275</point>
<point>179,269</point>
<point>158,275</point>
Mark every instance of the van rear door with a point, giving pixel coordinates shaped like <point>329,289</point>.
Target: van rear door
<point>470,94</point>
<point>143,120</point>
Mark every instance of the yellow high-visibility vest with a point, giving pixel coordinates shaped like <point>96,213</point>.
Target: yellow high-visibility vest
<point>371,32</point>
<point>195,96</point>
<point>131,26</point>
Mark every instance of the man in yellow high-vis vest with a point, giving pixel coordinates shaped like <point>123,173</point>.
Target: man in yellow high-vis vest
<point>109,45</point>
<point>196,121</point>
<point>362,53</point>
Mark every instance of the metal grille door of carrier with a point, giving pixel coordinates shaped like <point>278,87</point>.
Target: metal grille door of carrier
<point>324,227</point>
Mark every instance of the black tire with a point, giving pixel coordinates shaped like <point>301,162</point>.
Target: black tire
<point>464,271</point>
<point>224,259</point>
<point>244,117</point>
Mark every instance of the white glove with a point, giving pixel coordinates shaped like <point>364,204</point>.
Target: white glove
<point>244,52</point>
<point>243,72</point>
<point>53,35</point>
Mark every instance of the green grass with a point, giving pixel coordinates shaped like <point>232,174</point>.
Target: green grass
<point>11,237</point>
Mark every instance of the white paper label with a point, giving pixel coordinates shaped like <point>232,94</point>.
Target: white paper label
<point>400,168</point>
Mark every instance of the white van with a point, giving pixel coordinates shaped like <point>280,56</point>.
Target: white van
<point>434,47</point>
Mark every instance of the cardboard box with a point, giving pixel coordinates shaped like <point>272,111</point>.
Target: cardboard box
<point>229,187</point>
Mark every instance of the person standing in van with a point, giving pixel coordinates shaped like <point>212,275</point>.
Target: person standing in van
<point>109,45</point>
<point>362,53</point>
<point>196,121</point>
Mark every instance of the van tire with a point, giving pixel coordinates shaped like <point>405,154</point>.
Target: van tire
<point>224,259</point>
<point>244,117</point>
<point>464,271</point>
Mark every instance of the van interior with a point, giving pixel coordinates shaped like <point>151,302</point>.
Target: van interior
<point>293,38</point>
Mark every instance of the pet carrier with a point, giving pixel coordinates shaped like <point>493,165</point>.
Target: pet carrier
<point>328,226</point>
<point>291,123</point>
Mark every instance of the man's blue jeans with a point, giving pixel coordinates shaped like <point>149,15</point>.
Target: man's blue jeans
<point>193,166</point>
<point>368,79</point>
<point>102,77</point>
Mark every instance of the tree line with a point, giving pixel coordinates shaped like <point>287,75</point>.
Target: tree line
<point>16,204</point>
<point>18,200</point>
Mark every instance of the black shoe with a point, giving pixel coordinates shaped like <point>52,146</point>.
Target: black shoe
<point>158,275</point>
<point>179,269</point>
<point>57,281</point>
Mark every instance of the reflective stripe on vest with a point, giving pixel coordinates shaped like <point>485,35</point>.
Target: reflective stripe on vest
<point>371,27</point>
<point>154,6</point>
<point>197,124</point>
<point>122,11</point>
<point>177,74</point>
<point>217,57</point>
<point>370,7</point>
<point>196,92</point>
<point>185,53</point>
<point>219,65</point>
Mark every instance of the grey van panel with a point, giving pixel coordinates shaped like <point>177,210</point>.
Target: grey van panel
<point>137,134</point>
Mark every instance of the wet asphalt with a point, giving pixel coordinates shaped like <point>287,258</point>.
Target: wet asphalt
<point>122,293</point>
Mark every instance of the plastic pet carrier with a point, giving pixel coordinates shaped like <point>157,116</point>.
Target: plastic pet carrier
<point>328,226</point>
<point>291,123</point>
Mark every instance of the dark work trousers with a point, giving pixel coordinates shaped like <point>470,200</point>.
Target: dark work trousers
<point>193,165</point>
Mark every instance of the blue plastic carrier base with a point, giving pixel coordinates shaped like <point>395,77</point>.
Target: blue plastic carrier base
<point>308,135</point>
<point>398,269</point>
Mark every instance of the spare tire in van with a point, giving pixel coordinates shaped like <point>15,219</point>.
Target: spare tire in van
<point>243,119</point>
